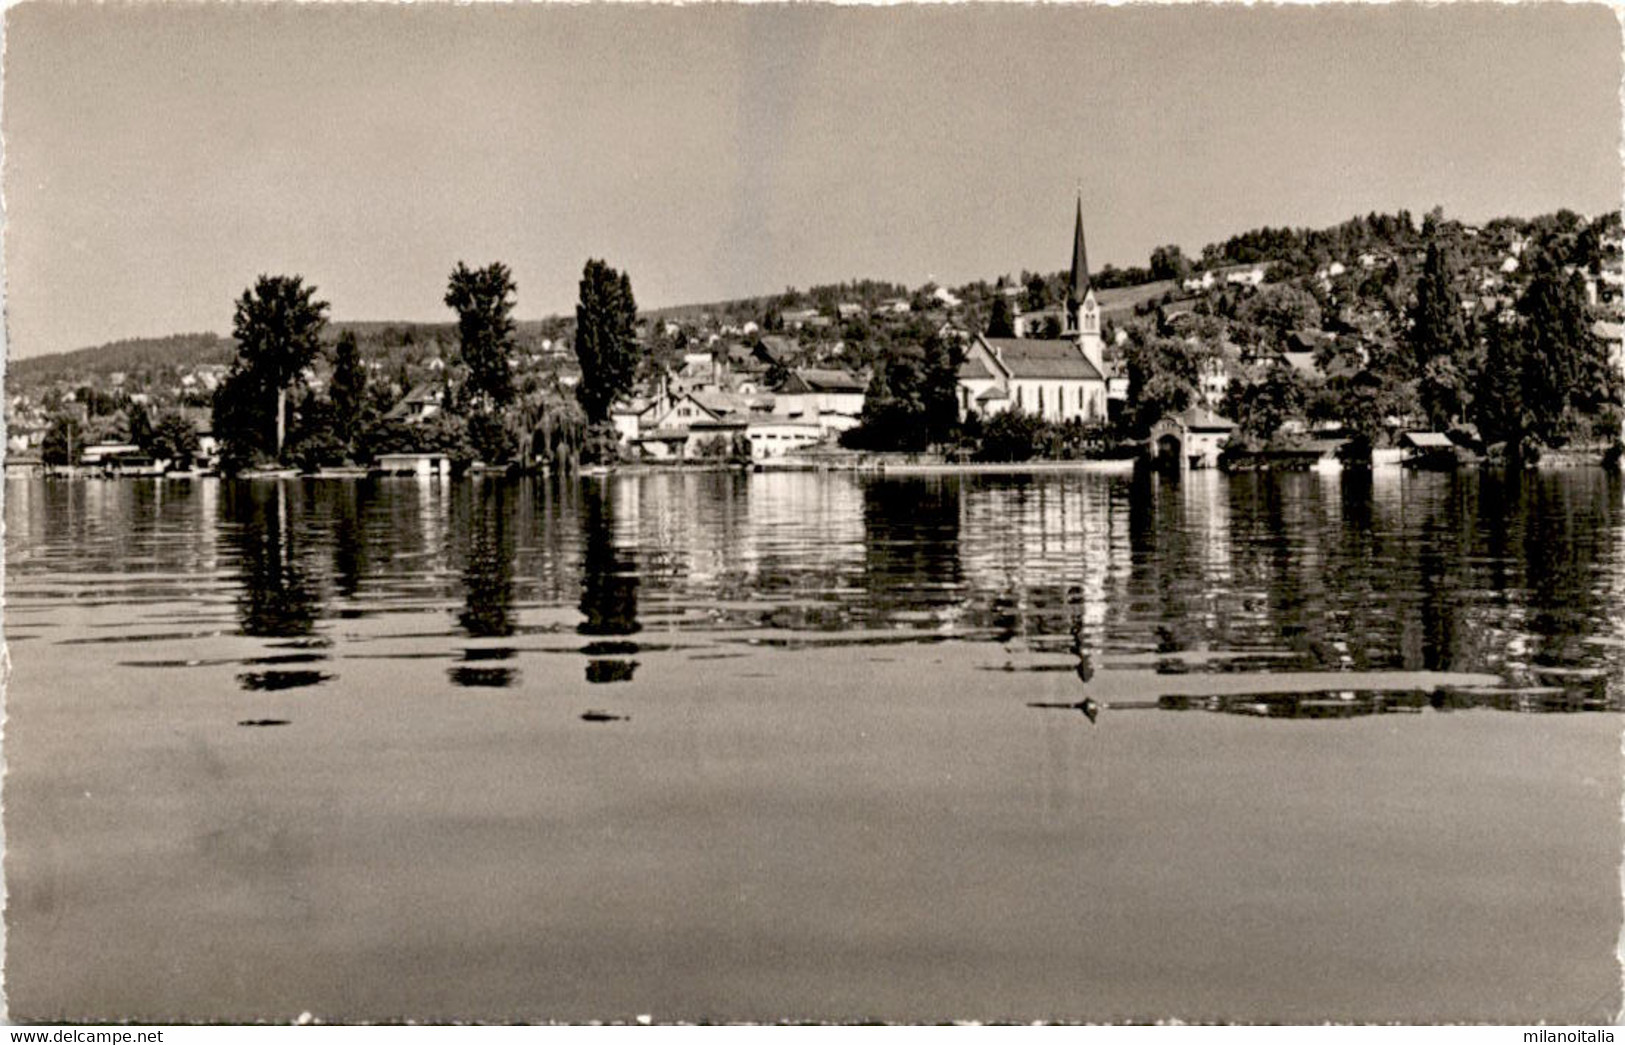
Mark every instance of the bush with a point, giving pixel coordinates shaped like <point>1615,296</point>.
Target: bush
<point>1013,435</point>
<point>491,440</point>
<point>601,445</point>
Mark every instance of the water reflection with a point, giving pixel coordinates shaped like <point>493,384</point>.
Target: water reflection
<point>1501,575</point>
<point>278,596</point>
<point>477,670</point>
<point>481,512</point>
<point>261,681</point>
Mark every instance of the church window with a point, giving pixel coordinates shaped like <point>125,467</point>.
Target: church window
<point>1040,400</point>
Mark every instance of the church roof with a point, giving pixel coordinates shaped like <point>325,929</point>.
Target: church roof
<point>1031,357</point>
<point>813,379</point>
<point>1077,284</point>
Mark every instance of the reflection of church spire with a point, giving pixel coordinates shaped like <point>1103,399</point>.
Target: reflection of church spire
<point>1077,284</point>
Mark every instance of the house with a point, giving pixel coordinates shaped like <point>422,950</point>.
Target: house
<point>1431,450</point>
<point>774,350</point>
<point>795,319</point>
<point>1245,275</point>
<point>848,310</point>
<point>831,399</point>
<point>775,437</point>
<point>1212,378</point>
<point>1192,438</point>
<point>1059,379</point>
<point>1200,281</point>
<point>946,297</point>
<point>421,403</point>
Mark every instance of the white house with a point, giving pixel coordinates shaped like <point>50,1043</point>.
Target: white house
<point>832,399</point>
<point>775,437</point>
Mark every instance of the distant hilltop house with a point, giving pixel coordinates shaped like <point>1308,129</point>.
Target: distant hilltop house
<point>1058,379</point>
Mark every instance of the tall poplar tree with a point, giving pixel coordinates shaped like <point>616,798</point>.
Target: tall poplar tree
<point>605,342</point>
<point>484,299</point>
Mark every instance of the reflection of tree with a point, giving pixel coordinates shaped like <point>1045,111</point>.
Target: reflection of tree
<point>349,546</point>
<point>278,599</point>
<point>609,583</point>
<point>911,560</point>
<point>488,562</point>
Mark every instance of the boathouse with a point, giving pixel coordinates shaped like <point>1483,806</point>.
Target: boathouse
<point>1192,438</point>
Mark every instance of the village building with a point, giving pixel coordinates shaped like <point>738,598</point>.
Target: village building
<point>1058,379</point>
<point>421,403</point>
<point>830,399</point>
<point>1192,438</point>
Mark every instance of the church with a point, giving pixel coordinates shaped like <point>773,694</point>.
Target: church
<point>1058,379</point>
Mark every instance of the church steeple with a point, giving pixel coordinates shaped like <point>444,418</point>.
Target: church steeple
<point>1078,284</point>
<point>1082,310</point>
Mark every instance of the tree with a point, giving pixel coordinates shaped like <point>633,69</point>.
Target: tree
<point>174,439</point>
<point>1498,399</point>
<point>606,320</point>
<point>1012,435</point>
<point>1563,363</point>
<point>1169,263</point>
<point>1438,340</point>
<point>140,427</point>
<point>1037,293</point>
<point>349,387</point>
<point>1260,407</point>
<point>484,301</point>
<point>64,441</point>
<point>1002,323</point>
<point>1162,379</point>
<point>277,324</point>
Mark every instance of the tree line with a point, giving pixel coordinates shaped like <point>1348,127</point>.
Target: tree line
<point>266,415</point>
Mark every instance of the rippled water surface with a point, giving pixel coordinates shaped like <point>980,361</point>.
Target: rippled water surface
<point>726,746</point>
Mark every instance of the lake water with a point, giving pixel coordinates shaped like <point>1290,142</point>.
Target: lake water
<point>728,746</point>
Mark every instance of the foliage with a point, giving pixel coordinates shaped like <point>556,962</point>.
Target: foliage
<point>175,439</point>
<point>1013,435</point>
<point>349,388</point>
<point>1565,376</point>
<point>64,441</point>
<point>601,444</point>
<point>1002,322</point>
<point>1260,406</point>
<point>1438,341</point>
<point>491,440</point>
<point>139,427</point>
<point>1162,379</point>
<point>277,324</point>
<point>912,400</point>
<point>606,318</point>
<point>1169,262</point>
<point>483,300</point>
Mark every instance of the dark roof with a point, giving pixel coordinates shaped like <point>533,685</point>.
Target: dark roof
<point>1200,419</point>
<point>1032,357</point>
<point>973,369</point>
<point>813,379</point>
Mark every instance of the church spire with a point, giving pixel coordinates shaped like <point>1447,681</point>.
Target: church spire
<point>1078,285</point>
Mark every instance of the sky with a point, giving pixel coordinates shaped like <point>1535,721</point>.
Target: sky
<point>159,157</point>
